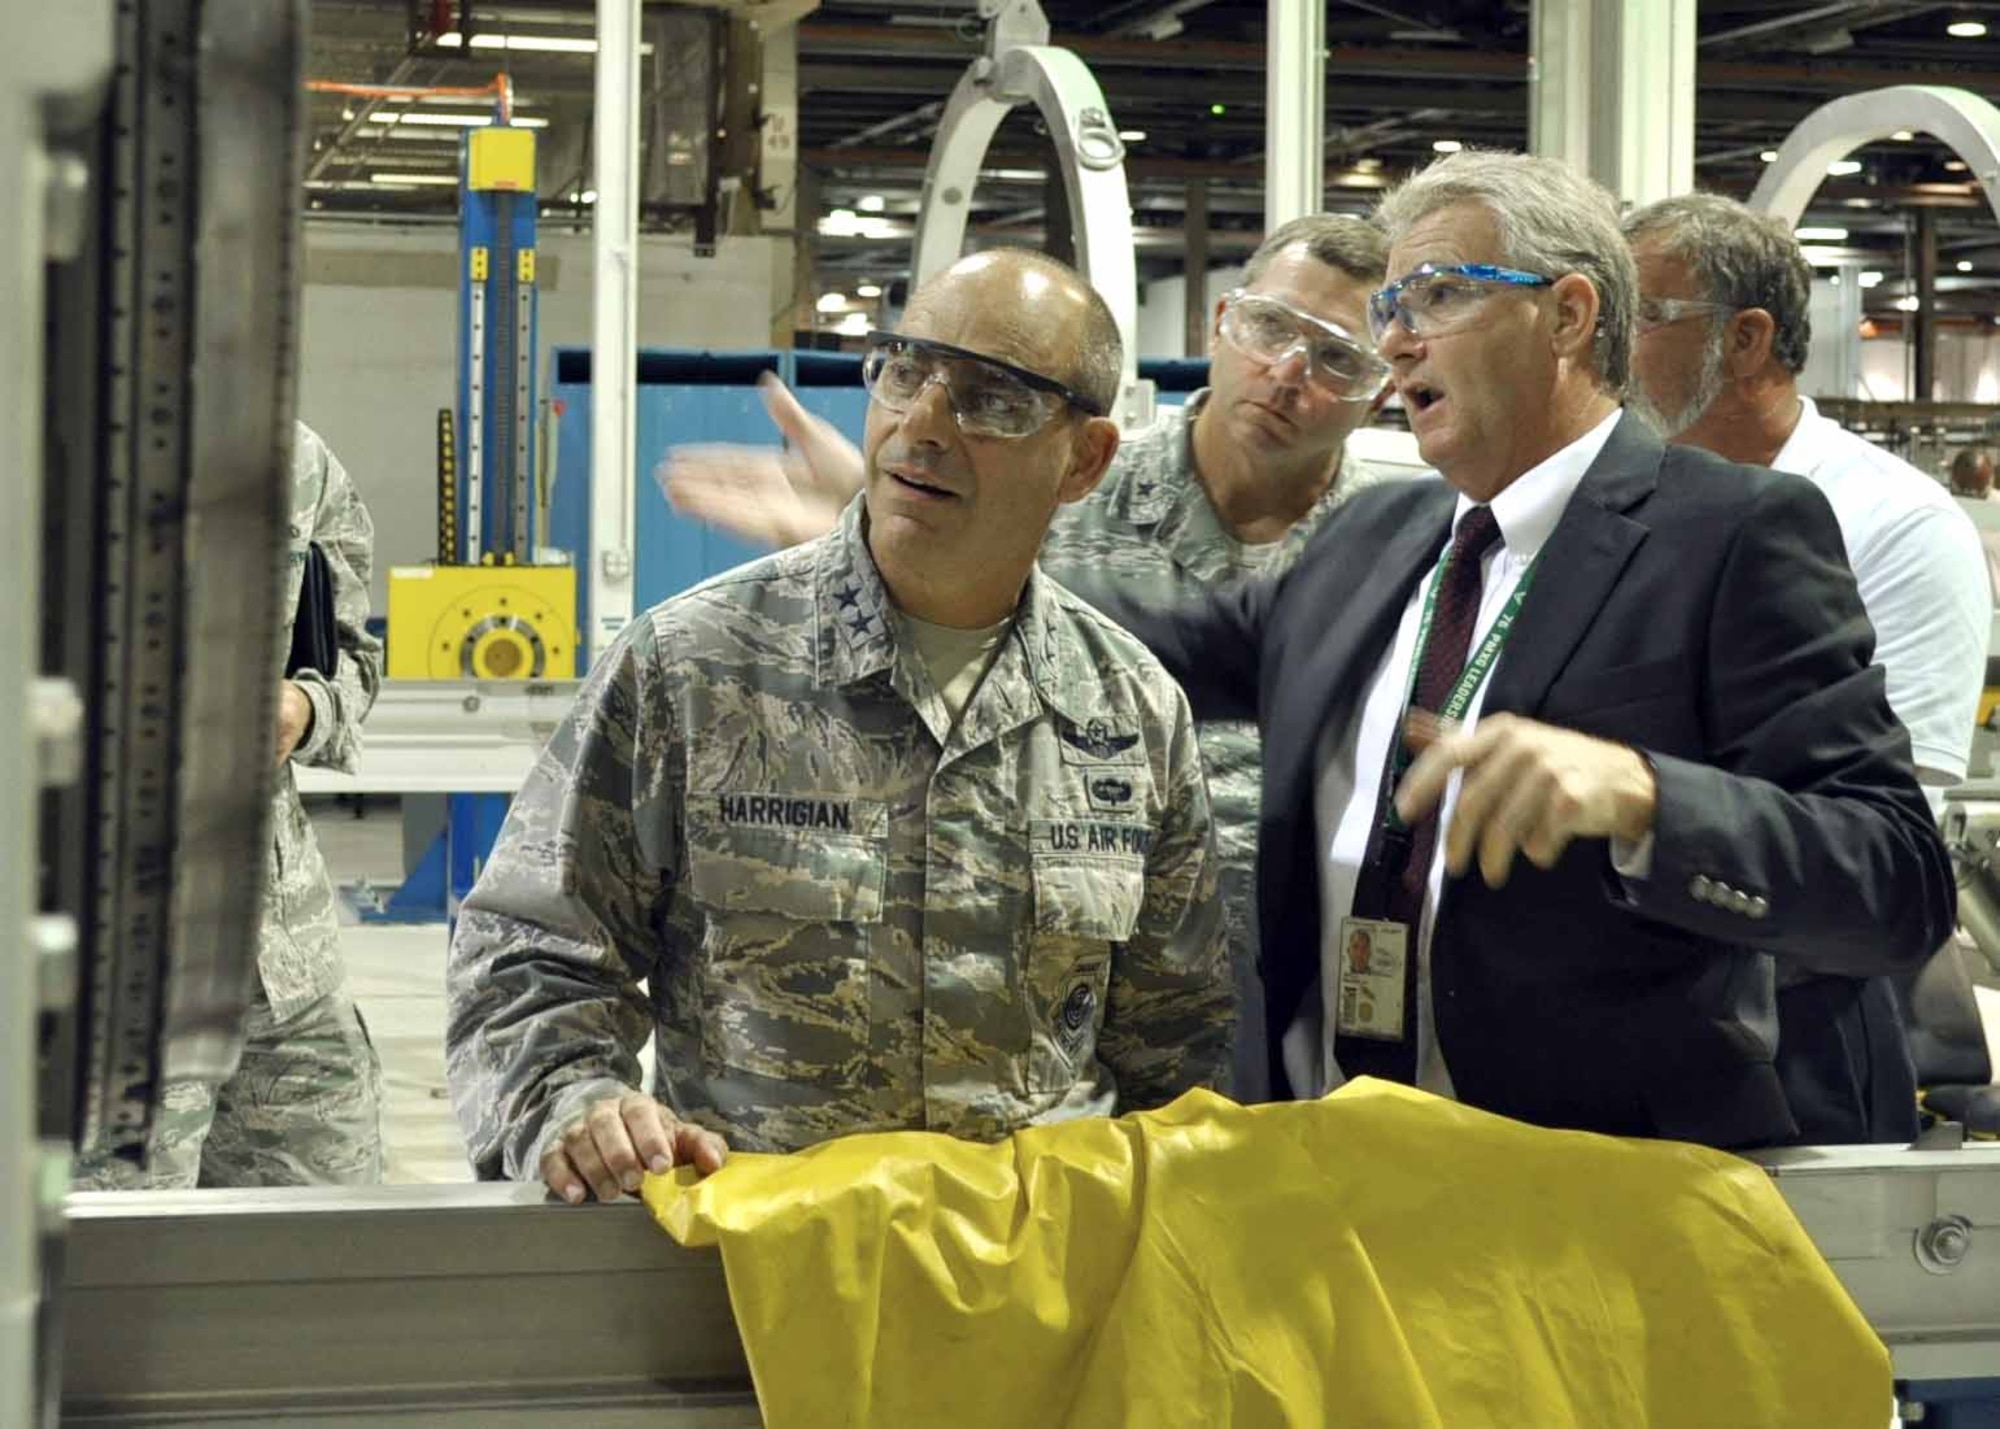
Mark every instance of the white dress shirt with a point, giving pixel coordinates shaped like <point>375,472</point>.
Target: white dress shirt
<point>1350,761</point>
<point>1921,570</point>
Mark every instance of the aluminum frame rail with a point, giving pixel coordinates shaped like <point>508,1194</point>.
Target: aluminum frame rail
<point>412,1304</point>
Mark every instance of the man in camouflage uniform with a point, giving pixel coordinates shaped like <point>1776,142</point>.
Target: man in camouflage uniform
<point>896,832</point>
<point>303,1107</point>
<point>1230,486</point>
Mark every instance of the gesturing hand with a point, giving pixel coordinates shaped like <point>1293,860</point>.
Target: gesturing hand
<point>1530,788</point>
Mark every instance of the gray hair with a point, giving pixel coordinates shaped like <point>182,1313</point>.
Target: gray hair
<point>1354,246</point>
<point>1552,219</point>
<point>1741,258</point>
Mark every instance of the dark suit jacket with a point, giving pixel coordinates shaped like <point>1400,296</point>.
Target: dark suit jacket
<point>1701,611</point>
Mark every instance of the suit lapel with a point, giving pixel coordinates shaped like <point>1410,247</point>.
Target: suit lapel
<point>1578,567</point>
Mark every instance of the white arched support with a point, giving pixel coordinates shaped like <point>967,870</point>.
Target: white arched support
<point>1965,122</point>
<point>1020,68</point>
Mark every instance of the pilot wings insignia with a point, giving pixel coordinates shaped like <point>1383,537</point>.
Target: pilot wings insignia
<point>1097,740</point>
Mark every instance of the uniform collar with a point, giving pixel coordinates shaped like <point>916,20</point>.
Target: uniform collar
<point>856,634</point>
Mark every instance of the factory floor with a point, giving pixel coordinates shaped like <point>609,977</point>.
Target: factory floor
<point>397,974</point>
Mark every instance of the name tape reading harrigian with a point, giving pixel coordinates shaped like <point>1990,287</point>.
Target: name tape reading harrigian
<point>785,812</point>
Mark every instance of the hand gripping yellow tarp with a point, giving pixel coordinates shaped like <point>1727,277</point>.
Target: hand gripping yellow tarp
<point>1381,1257</point>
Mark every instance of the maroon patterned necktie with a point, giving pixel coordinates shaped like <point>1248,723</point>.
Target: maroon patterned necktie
<point>1440,664</point>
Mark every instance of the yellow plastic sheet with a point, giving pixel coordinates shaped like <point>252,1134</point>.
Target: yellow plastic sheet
<point>1381,1257</point>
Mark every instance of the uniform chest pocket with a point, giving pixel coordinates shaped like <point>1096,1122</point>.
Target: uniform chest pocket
<point>1085,906</point>
<point>806,857</point>
<point>787,887</point>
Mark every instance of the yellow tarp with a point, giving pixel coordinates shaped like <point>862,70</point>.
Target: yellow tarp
<point>1381,1257</point>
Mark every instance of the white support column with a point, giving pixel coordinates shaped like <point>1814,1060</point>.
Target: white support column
<point>1611,90</point>
<point>614,332</point>
<point>1294,110</point>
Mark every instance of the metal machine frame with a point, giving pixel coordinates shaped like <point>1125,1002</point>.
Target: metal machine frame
<point>1962,119</point>
<point>1021,67</point>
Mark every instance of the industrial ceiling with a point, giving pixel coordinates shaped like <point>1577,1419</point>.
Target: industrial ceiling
<point>1185,81</point>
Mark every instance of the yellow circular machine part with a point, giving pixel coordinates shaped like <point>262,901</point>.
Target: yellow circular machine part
<point>501,655</point>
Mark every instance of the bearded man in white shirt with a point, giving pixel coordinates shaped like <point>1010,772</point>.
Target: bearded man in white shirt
<point>1723,333</point>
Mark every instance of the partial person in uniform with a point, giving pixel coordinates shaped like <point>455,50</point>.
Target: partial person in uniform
<point>1228,486</point>
<point>1724,328</point>
<point>304,1106</point>
<point>896,833</point>
<point>1585,737</point>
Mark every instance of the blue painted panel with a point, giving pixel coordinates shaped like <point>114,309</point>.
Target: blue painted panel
<point>674,554</point>
<point>689,396</point>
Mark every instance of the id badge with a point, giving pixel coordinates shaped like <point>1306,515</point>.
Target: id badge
<point>1372,959</point>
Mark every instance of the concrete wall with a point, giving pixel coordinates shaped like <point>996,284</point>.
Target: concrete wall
<point>378,346</point>
<point>1968,368</point>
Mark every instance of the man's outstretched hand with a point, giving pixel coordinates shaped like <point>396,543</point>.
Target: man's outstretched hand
<point>775,498</point>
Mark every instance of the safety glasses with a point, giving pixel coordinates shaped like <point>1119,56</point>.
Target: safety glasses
<point>1269,330</point>
<point>1659,312</point>
<point>1435,299</point>
<point>988,397</point>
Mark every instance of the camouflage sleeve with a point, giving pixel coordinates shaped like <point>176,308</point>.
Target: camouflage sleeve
<point>345,535</point>
<point>1171,1008</point>
<point>544,1012</point>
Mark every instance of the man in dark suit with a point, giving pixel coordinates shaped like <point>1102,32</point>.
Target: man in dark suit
<point>1664,762</point>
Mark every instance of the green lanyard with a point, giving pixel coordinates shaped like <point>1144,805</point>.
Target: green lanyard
<point>1469,679</point>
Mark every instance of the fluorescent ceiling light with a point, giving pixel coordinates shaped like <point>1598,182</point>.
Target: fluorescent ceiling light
<point>1966,30</point>
<point>1132,136</point>
<point>1820,235</point>
<point>874,290</point>
<point>1965,265</point>
<point>1842,168</point>
<point>1869,279</point>
<point>400,135</point>
<point>853,325</point>
<point>415,180</point>
<point>832,303</point>
<point>1447,146</point>
<point>435,120</point>
<point>872,203</point>
<point>1769,156</point>
<point>846,223</point>
<point>1904,135</point>
<point>1821,257</point>
<point>545,44</point>
<point>1907,304</point>
<point>587,196</point>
